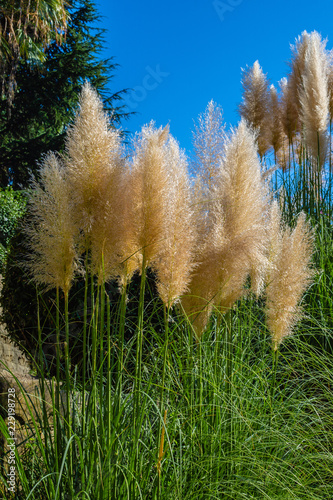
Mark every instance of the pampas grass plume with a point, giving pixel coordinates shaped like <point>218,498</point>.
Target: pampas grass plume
<point>289,276</point>
<point>255,105</point>
<point>276,129</point>
<point>174,264</point>
<point>235,247</point>
<point>51,232</point>
<point>208,142</point>
<point>289,108</point>
<point>314,97</point>
<point>243,198</point>
<point>92,148</point>
<point>148,193</point>
<point>94,160</point>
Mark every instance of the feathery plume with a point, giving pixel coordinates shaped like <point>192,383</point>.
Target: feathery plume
<point>174,264</point>
<point>95,170</point>
<point>330,82</point>
<point>289,276</point>
<point>314,98</point>
<point>91,149</point>
<point>52,232</point>
<point>107,248</point>
<point>243,200</point>
<point>208,143</point>
<point>255,105</point>
<point>235,247</point>
<point>294,84</point>
<point>289,109</point>
<point>148,192</point>
<point>208,140</point>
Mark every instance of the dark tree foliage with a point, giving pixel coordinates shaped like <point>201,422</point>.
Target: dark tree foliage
<point>26,29</point>
<point>47,95</point>
<point>19,305</point>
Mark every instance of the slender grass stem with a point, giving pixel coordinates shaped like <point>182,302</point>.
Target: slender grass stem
<point>275,354</point>
<point>138,375</point>
<point>57,387</point>
<point>229,353</point>
<point>68,391</point>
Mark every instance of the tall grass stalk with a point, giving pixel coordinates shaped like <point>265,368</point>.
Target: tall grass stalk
<point>168,408</point>
<point>285,460</point>
<point>138,377</point>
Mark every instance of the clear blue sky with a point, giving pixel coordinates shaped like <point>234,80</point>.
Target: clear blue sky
<point>178,55</point>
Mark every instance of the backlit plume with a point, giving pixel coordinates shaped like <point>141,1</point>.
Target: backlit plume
<point>289,109</point>
<point>148,191</point>
<point>174,264</point>
<point>94,160</point>
<point>51,231</point>
<point>236,243</point>
<point>255,105</point>
<point>295,77</point>
<point>92,150</point>
<point>289,276</point>
<point>208,140</point>
<point>314,97</point>
<point>275,123</point>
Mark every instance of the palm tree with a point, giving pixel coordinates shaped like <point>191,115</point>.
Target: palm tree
<point>26,28</point>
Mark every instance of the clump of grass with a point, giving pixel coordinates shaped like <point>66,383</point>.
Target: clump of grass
<point>108,216</point>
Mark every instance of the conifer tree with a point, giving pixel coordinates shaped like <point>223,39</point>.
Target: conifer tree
<point>47,95</point>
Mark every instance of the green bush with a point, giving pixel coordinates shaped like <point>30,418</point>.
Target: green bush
<point>12,208</point>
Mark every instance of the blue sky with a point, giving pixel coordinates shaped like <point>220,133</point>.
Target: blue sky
<point>178,55</point>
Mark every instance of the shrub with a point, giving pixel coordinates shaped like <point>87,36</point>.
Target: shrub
<point>12,208</point>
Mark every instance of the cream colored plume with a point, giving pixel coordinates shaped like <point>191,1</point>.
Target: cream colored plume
<point>289,109</point>
<point>314,97</point>
<point>94,160</point>
<point>208,140</point>
<point>173,265</point>
<point>255,105</point>
<point>147,187</point>
<point>295,79</point>
<point>51,231</point>
<point>92,150</point>
<point>208,143</point>
<point>289,276</point>
<point>243,198</point>
<point>236,245</point>
<point>108,249</point>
